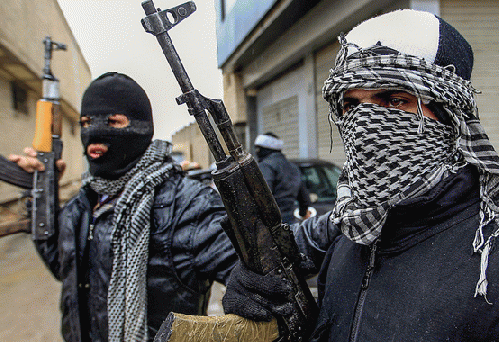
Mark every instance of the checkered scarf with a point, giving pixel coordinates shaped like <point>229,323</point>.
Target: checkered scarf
<point>127,293</point>
<point>363,198</point>
<point>386,159</point>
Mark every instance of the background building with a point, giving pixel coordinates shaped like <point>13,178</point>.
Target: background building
<point>24,25</point>
<point>276,54</point>
<point>190,145</point>
<point>29,295</point>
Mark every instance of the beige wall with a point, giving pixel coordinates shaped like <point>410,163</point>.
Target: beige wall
<point>23,26</point>
<point>234,97</point>
<point>192,144</point>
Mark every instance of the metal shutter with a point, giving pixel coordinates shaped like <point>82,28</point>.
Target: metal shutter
<point>478,22</point>
<point>324,60</point>
<point>281,118</point>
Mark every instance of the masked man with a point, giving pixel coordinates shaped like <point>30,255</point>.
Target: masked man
<point>282,177</point>
<point>139,240</point>
<point>408,251</point>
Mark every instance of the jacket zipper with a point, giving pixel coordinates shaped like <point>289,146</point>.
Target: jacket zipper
<point>363,293</point>
<point>91,232</point>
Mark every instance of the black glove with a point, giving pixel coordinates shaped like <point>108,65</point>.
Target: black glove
<point>256,297</point>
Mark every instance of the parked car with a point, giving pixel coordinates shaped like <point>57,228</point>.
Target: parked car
<point>320,178</point>
<point>202,175</point>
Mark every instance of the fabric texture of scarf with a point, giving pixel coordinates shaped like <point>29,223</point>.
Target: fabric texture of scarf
<point>386,160</point>
<point>127,293</point>
<point>366,69</point>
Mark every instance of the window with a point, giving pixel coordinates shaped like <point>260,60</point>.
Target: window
<point>19,98</point>
<point>222,10</point>
<point>73,127</point>
<point>321,180</point>
<point>225,7</point>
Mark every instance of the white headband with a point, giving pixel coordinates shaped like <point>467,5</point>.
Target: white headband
<point>269,142</point>
<point>409,32</point>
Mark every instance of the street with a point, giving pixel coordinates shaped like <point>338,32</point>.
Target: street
<point>29,295</point>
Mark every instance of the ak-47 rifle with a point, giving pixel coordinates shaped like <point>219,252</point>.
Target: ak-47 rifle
<point>48,145</point>
<point>264,244</point>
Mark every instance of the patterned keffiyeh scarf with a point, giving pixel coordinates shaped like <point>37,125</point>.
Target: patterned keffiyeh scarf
<point>386,158</point>
<point>127,296</point>
<point>392,155</point>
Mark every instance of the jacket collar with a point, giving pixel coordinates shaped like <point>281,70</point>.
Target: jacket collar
<point>418,218</point>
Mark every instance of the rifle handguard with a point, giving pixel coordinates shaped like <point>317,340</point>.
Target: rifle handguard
<point>264,244</point>
<point>42,142</point>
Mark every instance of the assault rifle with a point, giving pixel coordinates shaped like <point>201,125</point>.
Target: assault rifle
<point>47,142</point>
<point>264,244</point>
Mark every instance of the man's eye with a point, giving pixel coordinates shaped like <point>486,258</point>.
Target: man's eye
<point>396,102</point>
<point>347,106</point>
<point>118,121</point>
<point>85,123</point>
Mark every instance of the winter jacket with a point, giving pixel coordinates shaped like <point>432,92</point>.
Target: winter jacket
<point>284,180</point>
<point>417,282</point>
<point>187,251</point>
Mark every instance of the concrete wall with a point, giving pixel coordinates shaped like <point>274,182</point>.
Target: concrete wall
<point>234,97</point>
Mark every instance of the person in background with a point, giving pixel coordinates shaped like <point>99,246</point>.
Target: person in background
<point>282,177</point>
<point>139,240</point>
<point>409,251</point>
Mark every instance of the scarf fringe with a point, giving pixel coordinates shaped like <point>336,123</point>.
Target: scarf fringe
<point>481,286</point>
<point>421,127</point>
<point>479,245</point>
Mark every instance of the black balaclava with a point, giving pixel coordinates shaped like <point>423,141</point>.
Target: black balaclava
<point>109,94</point>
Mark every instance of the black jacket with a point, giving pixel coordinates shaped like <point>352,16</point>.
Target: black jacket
<point>418,282</point>
<point>284,180</point>
<point>187,251</point>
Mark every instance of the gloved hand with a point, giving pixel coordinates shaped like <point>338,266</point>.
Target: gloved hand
<point>256,297</point>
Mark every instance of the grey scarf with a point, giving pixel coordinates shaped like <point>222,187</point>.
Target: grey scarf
<point>469,143</point>
<point>127,295</point>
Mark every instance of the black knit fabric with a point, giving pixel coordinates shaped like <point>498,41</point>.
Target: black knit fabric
<point>115,93</point>
<point>453,49</point>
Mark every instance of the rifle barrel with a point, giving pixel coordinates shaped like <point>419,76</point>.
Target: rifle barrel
<point>157,26</point>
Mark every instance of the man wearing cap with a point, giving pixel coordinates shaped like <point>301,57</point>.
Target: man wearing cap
<point>139,240</point>
<point>282,177</point>
<point>408,250</point>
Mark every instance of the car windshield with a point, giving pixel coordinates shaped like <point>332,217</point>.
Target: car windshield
<point>320,181</point>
